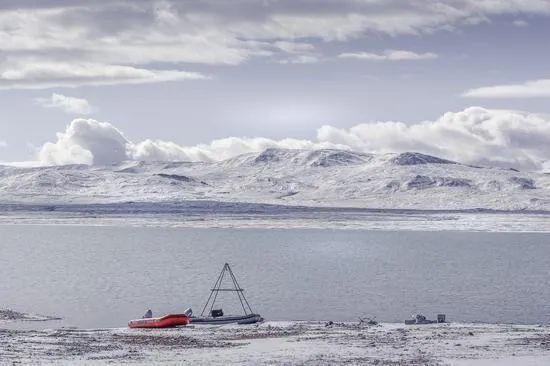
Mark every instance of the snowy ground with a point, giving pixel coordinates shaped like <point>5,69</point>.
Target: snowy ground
<point>274,343</point>
<point>208,214</point>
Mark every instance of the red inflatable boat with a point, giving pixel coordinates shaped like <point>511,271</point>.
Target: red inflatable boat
<point>167,321</point>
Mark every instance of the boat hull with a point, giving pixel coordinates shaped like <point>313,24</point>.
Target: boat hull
<point>167,321</point>
<point>239,319</point>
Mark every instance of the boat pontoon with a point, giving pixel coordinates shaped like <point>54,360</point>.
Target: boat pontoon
<point>216,316</point>
<point>167,321</point>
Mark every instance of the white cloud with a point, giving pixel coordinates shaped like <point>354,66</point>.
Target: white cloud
<point>41,44</point>
<point>301,59</point>
<point>390,55</point>
<point>520,23</point>
<point>49,75</point>
<point>70,105</point>
<point>294,47</point>
<point>529,89</point>
<point>220,149</point>
<point>475,136</point>
<point>87,141</point>
<point>300,52</point>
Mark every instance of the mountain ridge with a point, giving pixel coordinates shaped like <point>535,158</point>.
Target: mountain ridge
<point>323,177</point>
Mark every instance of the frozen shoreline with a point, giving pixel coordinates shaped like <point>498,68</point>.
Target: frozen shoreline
<point>211,214</point>
<point>309,343</point>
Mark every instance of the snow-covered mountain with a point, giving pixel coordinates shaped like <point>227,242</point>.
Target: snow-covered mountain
<point>290,177</point>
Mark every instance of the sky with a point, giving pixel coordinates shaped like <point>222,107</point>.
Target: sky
<point>105,81</point>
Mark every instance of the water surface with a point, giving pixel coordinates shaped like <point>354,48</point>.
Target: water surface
<point>103,276</point>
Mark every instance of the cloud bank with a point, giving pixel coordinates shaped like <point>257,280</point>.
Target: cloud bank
<point>70,105</point>
<point>475,136</point>
<point>530,89</point>
<point>43,43</point>
<point>87,141</point>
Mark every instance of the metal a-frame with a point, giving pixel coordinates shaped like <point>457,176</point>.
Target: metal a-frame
<point>217,288</point>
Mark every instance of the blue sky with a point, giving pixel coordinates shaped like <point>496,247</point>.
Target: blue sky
<point>193,72</point>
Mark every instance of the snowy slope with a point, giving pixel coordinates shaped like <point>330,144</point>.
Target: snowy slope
<point>290,177</point>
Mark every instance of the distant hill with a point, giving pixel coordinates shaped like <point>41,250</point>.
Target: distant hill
<point>325,177</point>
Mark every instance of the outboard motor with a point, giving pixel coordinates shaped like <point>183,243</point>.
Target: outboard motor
<point>188,312</point>
<point>420,318</point>
<point>216,313</point>
<point>148,314</point>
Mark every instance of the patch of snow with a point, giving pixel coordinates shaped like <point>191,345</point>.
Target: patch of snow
<point>331,157</point>
<point>414,158</point>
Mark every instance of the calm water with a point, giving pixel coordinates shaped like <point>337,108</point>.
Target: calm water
<point>103,276</point>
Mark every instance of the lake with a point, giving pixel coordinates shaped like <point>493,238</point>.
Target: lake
<point>101,276</point>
